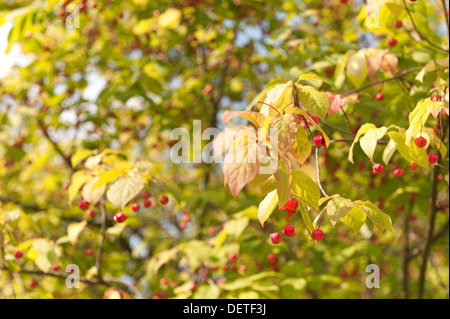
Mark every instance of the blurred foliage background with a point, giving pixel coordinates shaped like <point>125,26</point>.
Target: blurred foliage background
<point>111,90</point>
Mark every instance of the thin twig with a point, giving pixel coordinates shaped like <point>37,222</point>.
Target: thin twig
<point>318,173</point>
<point>419,33</point>
<point>98,259</point>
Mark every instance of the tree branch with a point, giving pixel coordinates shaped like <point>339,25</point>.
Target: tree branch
<point>65,157</point>
<point>98,259</point>
<point>432,211</point>
<point>419,33</point>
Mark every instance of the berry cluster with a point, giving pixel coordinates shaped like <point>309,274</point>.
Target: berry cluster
<point>120,217</point>
<point>288,230</point>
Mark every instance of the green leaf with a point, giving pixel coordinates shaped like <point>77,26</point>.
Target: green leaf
<point>284,182</point>
<point>380,219</point>
<point>301,149</point>
<point>314,77</point>
<point>268,185</point>
<point>314,124</point>
<point>235,227</point>
<point>267,206</point>
<point>206,292</point>
<point>337,208</point>
<point>306,220</point>
<point>355,218</point>
<point>305,188</point>
<point>317,103</point>
<point>411,153</point>
<point>124,190</point>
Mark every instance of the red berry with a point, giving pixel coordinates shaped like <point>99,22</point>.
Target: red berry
<point>163,281</point>
<point>400,208</point>
<point>89,252</point>
<point>398,24</point>
<point>317,234</point>
<point>289,213</point>
<point>275,238</point>
<point>55,267</point>
<point>182,225</point>
<point>413,166</point>
<point>119,217</point>
<point>289,231</point>
<point>343,274</point>
<point>392,42</point>
<point>146,195</point>
<point>379,96</point>
<point>192,287</point>
<point>84,204</point>
<point>32,283</point>
<point>18,254</point>
<point>135,207</point>
<point>377,168</point>
<point>398,172</point>
<point>232,257</point>
<point>186,218</point>
<point>211,229</point>
<point>164,200</point>
<point>91,213</point>
<point>412,196</point>
<point>319,140</point>
<point>292,204</point>
<point>147,203</point>
<point>315,118</point>
<point>420,142</point>
<point>343,1</point>
<point>433,158</point>
<point>243,267</point>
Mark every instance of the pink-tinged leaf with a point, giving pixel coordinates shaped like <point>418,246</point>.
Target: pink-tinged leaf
<point>389,63</point>
<point>224,140</point>
<point>242,162</point>
<point>255,118</point>
<point>279,97</point>
<point>374,59</point>
<point>336,102</point>
<point>286,127</point>
<point>434,107</point>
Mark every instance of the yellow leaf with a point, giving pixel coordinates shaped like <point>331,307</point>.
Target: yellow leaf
<point>170,19</point>
<point>79,156</point>
<point>74,230</point>
<point>78,180</point>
